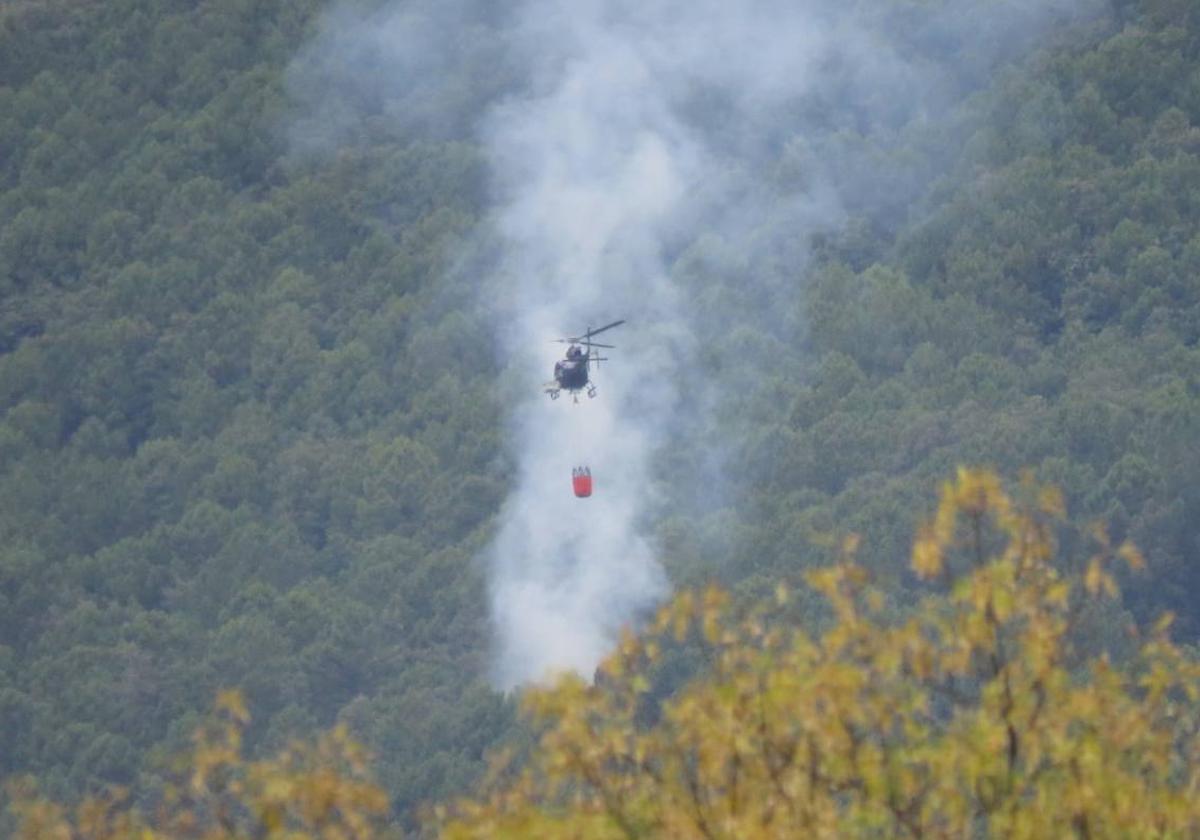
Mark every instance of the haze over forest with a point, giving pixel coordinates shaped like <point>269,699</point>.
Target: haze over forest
<point>279,281</point>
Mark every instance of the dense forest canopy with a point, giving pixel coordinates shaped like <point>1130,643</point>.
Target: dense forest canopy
<point>240,446</point>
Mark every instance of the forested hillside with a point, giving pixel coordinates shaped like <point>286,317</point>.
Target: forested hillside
<point>229,455</point>
<point>1038,308</point>
<point>240,444</point>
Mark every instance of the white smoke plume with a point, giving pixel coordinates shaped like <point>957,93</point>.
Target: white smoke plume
<point>589,171</point>
<point>629,129</point>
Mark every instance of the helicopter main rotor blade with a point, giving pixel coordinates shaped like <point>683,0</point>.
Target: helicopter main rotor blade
<point>581,339</point>
<point>592,332</point>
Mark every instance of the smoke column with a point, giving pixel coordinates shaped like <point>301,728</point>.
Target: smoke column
<point>588,170</point>
<point>600,175</point>
<point>636,128</point>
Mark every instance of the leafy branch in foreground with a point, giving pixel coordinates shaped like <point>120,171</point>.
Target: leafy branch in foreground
<point>976,716</point>
<point>317,791</point>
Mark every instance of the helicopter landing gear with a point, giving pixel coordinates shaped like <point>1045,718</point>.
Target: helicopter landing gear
<point>553,394</point>
<point>591,391</point>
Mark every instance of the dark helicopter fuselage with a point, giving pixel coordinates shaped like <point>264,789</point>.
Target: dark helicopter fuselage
<point>572,372</point>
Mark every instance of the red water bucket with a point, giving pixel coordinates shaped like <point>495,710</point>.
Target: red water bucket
<point>581,480</point>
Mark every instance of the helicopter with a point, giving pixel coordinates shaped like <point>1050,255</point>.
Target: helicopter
<point>571,373</point>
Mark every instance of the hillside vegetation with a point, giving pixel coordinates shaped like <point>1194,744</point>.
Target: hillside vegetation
<point>977,713</point>
<point>239,445</point>
<point>231,453</point>
<point>1039,308</point>
<point>973,716</point>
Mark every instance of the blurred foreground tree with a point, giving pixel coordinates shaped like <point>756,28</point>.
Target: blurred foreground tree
<point>978,715</point>
<point>318,791</point>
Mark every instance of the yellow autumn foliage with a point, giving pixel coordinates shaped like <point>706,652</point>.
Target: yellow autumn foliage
<point>310,791</point>
<point>973,717</point>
